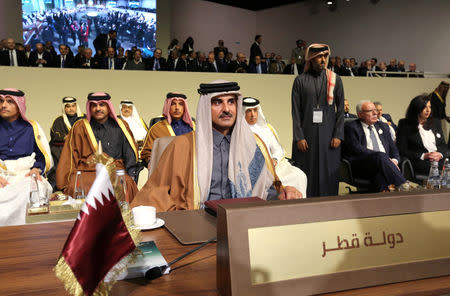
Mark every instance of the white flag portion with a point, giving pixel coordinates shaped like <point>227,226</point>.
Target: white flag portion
<point>101,188</point>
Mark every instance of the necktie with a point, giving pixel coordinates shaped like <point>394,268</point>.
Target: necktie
<point>11,58</point>
<point>63,61</point>
<point>292,69</point>
<point>110,63</point>
<point>374,139</point>
<point>156,64</point>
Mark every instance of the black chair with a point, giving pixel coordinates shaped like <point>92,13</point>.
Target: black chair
<point>409,173</point>
<point>159,118</point>
<point>155,120</point>
<point>346,175</point>
<point>365,185</point>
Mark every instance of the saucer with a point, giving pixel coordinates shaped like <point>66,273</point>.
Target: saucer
<point>159,222</point>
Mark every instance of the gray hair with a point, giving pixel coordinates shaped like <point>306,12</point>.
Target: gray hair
<point>377,103</point>
<point>359,105</point>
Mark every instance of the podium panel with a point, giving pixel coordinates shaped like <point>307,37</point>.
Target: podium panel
<point>330,244</point>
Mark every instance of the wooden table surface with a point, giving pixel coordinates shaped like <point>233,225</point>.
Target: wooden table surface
<point>29,253</point>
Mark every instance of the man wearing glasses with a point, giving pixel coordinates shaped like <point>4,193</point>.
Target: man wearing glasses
<point>370,149</point>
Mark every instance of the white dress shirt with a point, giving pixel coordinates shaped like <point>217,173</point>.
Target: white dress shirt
<point>428,140</point>
<point>369,140</point>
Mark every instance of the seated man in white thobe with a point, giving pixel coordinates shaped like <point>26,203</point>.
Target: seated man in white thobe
<point>288,174</point>
<point>24,152</point>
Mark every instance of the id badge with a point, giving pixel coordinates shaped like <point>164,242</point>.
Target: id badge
<point>317,115</point>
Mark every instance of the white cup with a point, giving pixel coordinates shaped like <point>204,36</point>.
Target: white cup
<point>144,216</point>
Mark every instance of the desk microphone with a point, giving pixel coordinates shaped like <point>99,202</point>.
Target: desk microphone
<point>157,271</point>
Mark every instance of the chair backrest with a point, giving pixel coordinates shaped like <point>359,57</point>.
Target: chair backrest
<point>159,145</point>
<point>155,120</point>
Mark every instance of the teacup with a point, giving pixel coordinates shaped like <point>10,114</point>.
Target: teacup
<point>144,216</point>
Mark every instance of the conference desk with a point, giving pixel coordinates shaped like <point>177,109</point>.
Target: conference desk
<point>29,253</point>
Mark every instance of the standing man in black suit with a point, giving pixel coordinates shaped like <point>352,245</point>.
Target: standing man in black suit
<point>40,57</point>
<point>64,59</point>
<point>157,62</point>
<point>9,56</point>
<point>255,50</point>
<point>103,41</point>
<point>370,149</point>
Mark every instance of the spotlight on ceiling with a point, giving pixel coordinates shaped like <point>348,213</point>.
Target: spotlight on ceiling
<point>332,5</point>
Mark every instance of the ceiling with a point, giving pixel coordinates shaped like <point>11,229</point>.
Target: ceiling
<point>255,5</point>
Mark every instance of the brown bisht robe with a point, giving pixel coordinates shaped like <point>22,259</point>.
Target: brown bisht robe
<point>158,130</point>
<point>78,154</point>
<point>171,186</point>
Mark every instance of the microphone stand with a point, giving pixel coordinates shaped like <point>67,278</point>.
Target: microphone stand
<point>158,271</point>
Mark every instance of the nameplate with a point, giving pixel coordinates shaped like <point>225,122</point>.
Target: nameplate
<point>330,244</point>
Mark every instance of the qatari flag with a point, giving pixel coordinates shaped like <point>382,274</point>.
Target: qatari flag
<point>99,243</point>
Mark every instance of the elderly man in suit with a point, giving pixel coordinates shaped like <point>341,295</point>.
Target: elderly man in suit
<point>370,149</point>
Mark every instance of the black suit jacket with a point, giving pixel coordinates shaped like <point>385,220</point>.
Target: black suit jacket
<point>151,62</point>
<point>347,72</point>
<point>118,63</point>
<point>181,65</point>
<point>101,42</point>
<point>234,65</point>
<point>69,62</point>
<point>221,65</point>
<point>389,118</point>
<point>252,68</point>
<point>46,56</point>
<point>195,66</point>
<point>355,143</point>
<point>288,69</point>
<point>254,51</point>
<point>409,141</point>
<point>21,58</point>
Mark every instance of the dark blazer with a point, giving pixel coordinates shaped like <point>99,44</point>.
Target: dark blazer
<point>349,115</point>
<point>217,49</point>
<point>234,65</point>
<point>355,144</point>
<point>346,72</point>
<point>69,62</point>
<point>93,63</point>
<point>195,66</point>
<point>252,68</point>
<point>162,64</point>
<point>221,65</point>
<point>288,69</point>
<point>181,65</point>
<point>21,58</point>
<point>409,141</point>
<point>118,63</point>
<point>254,51</point>
<point>389,118</point>
<point>46,56</point>
<point>208,67</point>
<point>101,42</point>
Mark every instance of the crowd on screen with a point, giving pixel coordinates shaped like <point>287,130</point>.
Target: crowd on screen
<point>183,57</point>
